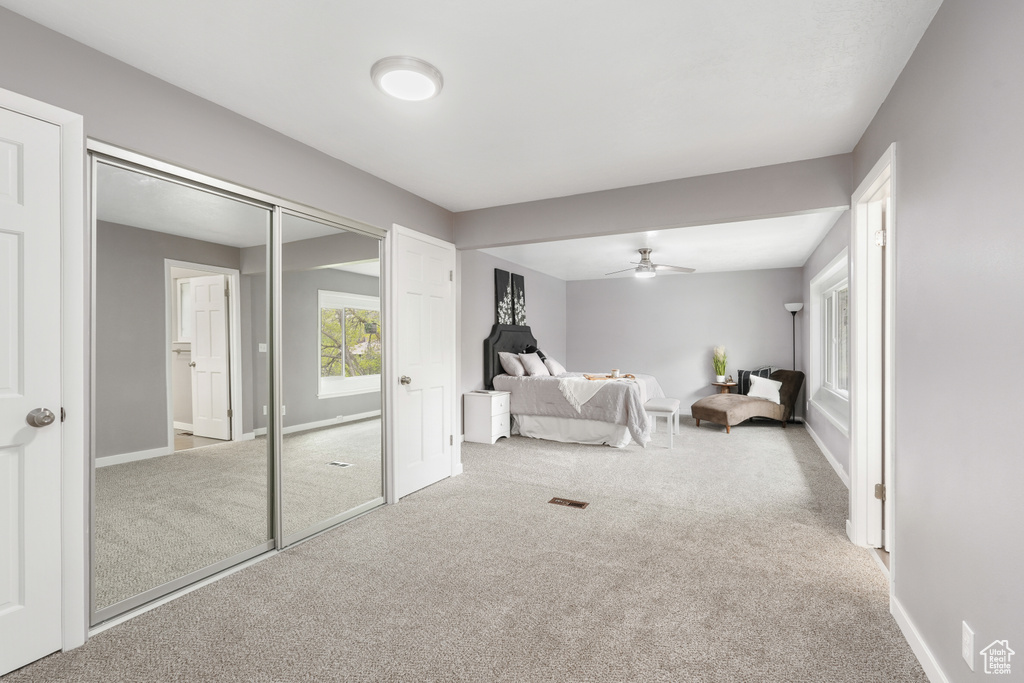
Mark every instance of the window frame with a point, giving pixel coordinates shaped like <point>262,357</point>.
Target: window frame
<point>333,387</point>
<point>827,399</point>
<point>830,341</point>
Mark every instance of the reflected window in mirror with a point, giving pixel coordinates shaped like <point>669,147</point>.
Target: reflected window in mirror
<point>350,344</point>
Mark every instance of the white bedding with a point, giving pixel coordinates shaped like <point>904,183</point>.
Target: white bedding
<point>572,430</point>
<point>611,402</point>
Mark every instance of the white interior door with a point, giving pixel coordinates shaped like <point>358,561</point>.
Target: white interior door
<point>425,298</point>
<point>211,394</point>
<point>30,383</point>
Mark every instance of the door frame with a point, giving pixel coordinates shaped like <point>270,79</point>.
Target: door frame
<point>390,378</point>
<point>234,344</point>
<point>75,353</point>
<point>872,374</point>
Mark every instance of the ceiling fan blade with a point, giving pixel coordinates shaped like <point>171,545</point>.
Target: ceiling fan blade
<point>678,269</point>
<point>616,272</point>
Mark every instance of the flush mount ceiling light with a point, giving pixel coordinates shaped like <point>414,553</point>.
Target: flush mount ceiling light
<point>406,78</point>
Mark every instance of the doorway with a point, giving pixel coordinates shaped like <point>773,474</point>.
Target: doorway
<point>203,354</point>
<point>873,410</point>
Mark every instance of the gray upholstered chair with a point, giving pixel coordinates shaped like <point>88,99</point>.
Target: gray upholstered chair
<point>731,409</point>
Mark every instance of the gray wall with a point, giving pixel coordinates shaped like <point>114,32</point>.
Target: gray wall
<point>545,312</point>
<point>301,368</point>
<point>955,114</point>
<point>131,410</point>
<point>667,326</point>
<point>130,108</point>
<point>837,239</point>
<point>751,193</point>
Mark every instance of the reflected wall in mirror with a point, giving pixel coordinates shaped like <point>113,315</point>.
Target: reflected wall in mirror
<point>331,356</point>
<point>181,477</point>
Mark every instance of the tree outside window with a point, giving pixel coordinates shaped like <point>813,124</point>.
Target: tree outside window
<point>350,342</point>
<point>350,345</point>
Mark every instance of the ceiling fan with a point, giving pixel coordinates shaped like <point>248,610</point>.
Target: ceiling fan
<point>644,268</point>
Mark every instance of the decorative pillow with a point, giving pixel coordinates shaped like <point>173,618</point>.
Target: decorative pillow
<point>511,364</point>
<point>533,364</point>
<point>534,349</point>
<point>743,378</point>
<point>762,387</point>
<point>554,367</point>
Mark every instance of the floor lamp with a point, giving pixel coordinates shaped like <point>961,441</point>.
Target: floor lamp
<point>794,309</point>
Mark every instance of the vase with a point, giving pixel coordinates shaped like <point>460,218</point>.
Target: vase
<point>719,378</point>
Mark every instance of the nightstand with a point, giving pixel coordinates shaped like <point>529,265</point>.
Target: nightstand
<point>487,417</point>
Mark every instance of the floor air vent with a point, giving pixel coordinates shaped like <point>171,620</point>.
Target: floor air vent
<point>338,463</point>
<point>569,503</point>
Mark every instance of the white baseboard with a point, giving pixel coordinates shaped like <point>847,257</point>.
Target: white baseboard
<point>246,436</point>
<point>130,457</point>
<point>828,455</point>
<point>187,426</point>
<point>305,427</point>
<point>456,469</point>
<point>849,532</point>
<point>917,644</point>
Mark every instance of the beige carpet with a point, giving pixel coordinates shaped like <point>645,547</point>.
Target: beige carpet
<point>162,518</point>
<point>724,559</point>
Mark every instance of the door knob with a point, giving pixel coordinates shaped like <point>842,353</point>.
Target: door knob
<point>40,417</point>
<point>192,364</point>
<point>406,379</point>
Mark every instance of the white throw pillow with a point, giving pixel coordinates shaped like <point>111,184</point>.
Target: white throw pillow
<point>762,387</point>
<point>554,367</point>
<point>511,364</point>
<point>533,364</point>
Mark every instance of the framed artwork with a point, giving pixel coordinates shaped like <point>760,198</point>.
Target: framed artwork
<point>519,299</point>
<point>503,306</point>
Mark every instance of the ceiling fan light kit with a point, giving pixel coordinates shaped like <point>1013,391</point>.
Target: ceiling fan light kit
<point>646,269</point>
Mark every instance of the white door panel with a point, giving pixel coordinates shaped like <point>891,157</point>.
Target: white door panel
<point>30,352</point>
<point>426,354</point>
<point>210,374</point>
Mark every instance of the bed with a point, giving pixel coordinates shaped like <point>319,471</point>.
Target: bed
<point>540,406</point>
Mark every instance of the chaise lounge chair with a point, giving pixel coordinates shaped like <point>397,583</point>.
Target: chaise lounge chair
<point>731,409</point>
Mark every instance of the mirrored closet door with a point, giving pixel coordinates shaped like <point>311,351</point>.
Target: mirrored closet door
<point>331,360</point>
<point>182,469</point>
<point>238,350</point>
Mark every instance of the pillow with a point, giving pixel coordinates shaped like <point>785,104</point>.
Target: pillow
<point>743,378</point>
<point>533,364</point>
<point>554,367</point>
<point>511,364</point>
<point>762,387</point>
<point>534,349</point>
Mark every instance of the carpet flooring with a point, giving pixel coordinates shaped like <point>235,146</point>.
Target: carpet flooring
<point>722,559</point>
<point>162,518</point>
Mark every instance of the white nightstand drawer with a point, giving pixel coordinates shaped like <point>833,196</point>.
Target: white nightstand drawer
<point>500,425</point>
<point>487,416</point>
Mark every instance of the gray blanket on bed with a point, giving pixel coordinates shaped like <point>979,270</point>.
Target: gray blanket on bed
<point>620,403</point>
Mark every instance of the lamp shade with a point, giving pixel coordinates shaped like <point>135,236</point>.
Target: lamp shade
<point>793,308</point>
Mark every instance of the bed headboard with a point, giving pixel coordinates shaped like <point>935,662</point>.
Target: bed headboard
<point>510,338</point>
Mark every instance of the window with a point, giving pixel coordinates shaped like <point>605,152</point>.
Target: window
<point>829,367</point>
<point>351,352</point>
<point>836,343</point>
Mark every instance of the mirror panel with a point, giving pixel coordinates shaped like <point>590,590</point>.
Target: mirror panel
<point>331,359</point>
<point>181,468</point>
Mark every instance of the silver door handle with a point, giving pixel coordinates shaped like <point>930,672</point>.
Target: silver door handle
<point>406,379</point>
<point>192,364</point>
<point>40,417</point>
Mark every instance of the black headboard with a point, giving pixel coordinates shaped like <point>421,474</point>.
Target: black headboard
<point>510,338</point>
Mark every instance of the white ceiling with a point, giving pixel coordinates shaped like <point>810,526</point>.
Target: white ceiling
<point>151,203</point>
<point>541,99</point>
<point>748,245</point>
